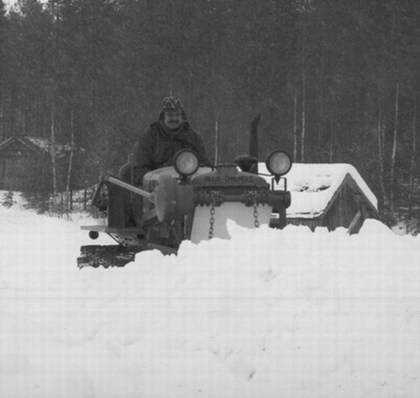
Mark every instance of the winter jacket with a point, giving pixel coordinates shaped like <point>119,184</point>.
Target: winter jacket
<point>158,145</point>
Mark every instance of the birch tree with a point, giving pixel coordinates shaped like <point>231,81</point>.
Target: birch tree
<point>295,127</point>
<point>412,171</point>
<point>381,150</point>
<point>394,146</point>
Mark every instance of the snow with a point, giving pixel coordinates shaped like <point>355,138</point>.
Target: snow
<point>44,144</point>
<point>268,313</point>
<point>312,186</point>
<point>11,4</point>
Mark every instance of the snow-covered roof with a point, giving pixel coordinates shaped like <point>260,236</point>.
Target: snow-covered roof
<point>38,143</point>
<point>313,185</point>
<point>44,144</point>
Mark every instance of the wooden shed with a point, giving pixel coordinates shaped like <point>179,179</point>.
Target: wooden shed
<point>24,159</point>
<point>329,195</point>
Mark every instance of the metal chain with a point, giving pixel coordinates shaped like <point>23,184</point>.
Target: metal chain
<point>256,221</point>
<point>212,213</point>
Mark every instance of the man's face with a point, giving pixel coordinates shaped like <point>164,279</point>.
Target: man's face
<point>172,119</point>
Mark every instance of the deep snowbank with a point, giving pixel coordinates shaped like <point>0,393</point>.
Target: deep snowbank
<point>267,314</point>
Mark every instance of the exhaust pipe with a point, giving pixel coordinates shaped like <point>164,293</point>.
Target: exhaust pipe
<point>253,142</point>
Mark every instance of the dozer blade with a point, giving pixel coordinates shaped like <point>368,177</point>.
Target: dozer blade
<point>105,256</point>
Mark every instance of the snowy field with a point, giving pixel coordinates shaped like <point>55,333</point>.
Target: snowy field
<point>267,314</point>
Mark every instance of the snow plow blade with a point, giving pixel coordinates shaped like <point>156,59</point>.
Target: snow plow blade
<point>105,256</point>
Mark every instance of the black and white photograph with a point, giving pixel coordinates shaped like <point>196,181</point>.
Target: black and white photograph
<point>209,199</point>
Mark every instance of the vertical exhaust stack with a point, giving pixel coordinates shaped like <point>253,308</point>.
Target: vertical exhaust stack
<point>249,162</point>
<point>253,141</point>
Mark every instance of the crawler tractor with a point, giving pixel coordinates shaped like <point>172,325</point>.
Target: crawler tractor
<point>185,202</point>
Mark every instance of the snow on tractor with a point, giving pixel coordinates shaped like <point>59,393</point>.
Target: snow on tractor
<point>185,202</point>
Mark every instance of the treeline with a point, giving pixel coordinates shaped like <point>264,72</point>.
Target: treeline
<point>334,80</point>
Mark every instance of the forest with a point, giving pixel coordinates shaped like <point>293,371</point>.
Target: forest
<point>334,81</point>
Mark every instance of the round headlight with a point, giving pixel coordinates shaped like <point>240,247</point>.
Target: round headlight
<point>186,162</point>
<point>278,163</point>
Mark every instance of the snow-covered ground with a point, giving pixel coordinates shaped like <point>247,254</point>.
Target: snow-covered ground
<point>267,314</point>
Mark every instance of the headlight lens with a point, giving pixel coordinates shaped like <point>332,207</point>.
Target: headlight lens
<point>278,163</point>
<point>186,162</point>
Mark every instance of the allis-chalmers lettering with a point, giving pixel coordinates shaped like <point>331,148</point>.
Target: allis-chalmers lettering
<point>229,180</point>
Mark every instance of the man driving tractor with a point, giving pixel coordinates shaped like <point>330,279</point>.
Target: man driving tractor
<point>163,139</point>
<point>155,149</point>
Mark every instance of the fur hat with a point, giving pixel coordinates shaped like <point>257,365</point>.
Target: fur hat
<point>171,104</point>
